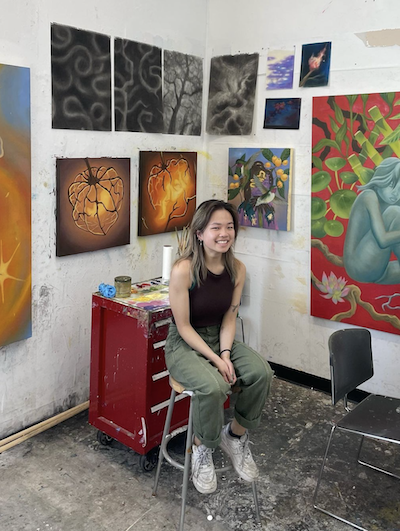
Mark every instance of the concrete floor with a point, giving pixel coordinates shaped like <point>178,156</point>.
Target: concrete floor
<point>64,480</point>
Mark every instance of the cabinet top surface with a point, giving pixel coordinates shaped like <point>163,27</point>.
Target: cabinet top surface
<point>149,295</point>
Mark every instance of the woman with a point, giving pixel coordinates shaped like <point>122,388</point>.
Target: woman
<point>201,354</point>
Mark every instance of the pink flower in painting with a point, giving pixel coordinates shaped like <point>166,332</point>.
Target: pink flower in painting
<point>315,60</point>
<point>333,287</point>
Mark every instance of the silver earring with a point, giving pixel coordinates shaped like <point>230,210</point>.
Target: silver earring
<point>200,243</point>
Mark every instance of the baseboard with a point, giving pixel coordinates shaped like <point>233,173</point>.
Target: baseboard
<point>311,381</point>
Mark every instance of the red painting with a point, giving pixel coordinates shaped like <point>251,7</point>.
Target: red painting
<point>355,210</point>
<point>167,191</point>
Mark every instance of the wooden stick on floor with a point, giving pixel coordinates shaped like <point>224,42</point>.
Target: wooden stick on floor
<point>23,435</point>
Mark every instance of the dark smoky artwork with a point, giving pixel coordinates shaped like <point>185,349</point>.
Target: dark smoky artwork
<point>138,87</point>
<point>231,96</point>
<point>183,91</point>
<point>81,79</point>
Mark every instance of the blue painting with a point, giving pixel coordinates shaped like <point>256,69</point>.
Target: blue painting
<point>280,64</point>
<point>315,64</point>
<point>282,113</point>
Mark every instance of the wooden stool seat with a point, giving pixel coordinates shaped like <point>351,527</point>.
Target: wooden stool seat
<point>176,386</point>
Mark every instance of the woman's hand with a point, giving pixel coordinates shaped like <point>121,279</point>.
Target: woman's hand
<point>226,369</point>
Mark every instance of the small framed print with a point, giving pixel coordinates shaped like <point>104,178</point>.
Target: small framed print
<point>282,113</point>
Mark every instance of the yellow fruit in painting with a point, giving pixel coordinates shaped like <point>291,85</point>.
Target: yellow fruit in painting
<point>285,162</point>
<point>274,158</point>
<point>279,172</point>
<point>267,164</point>
<point>236,177</point>
<point>278,162</point>
<point>284,177</point>
<point>279,184</point>
<point>232,185</point>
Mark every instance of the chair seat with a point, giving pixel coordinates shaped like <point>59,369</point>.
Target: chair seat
<point>376,416</point>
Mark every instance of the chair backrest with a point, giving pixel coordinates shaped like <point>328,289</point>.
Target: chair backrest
<point>350,359</point>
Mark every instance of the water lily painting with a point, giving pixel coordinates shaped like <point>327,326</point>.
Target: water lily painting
<point>315,64</point>
<point>355,210</point>
<point>259,185</point>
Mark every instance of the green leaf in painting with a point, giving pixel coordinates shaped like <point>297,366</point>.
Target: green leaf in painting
<point>317,228</point>
<point>233,193</point>
<point>320,181</point>
<point>388,97</point>
<point>338,113</point>
<point>334,125</point>
<point>341,202</point>
<point>397,102</point>
<point>335,163</point>
<point>324,143</point>
<point>267,154</point>
<point>285,154</point>
<point>341,133</point>
<point>317,162</point>
<point>348,177</point>
<point>334,228</point>
<point>351,99</point>
<point>230,171</point>
<point>393,137</point>
<point>281,192</point>
<point>318,208</point>
<point>396,117</point>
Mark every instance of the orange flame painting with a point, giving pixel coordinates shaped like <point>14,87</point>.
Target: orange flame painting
<point>167,191</point>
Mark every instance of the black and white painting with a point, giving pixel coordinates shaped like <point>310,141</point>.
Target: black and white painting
<point>138,87</point>
<point>183,91</point>
<point>231,97</point>
<point>81,79</point>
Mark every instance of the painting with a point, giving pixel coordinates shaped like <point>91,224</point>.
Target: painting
<point>167,191</point>
<point>282,113</point>
<point>259,185</point>
<point>355,210</point>
<point>15,205</point>
<point>93,204</point>
<point>280,65</point>
<point>315,64</point>
<point>231,94</point>
<point>137,87</point>
<point>183,93</point>
<point>80,79</point>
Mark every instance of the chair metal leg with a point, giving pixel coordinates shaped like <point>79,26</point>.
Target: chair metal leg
<point>188,453</point>
<point>254,487</point>
<point>164,439</point>
<point>372,466</point>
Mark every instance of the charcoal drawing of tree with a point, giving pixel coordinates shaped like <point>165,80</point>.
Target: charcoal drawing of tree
<point>231,94</point>
<point>81,79</point>
<point>137,87</point>
<point>183,91</point>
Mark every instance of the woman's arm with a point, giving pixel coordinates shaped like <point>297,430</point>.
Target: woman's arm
<point>383,237</point>
<point>179,300</point>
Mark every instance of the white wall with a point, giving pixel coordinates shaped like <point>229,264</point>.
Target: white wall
<point>276,302</point>
<point>49,372</point>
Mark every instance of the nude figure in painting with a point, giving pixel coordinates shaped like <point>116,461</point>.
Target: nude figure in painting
<point>373,231</point>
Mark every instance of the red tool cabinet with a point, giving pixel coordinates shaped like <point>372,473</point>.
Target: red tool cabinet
<point>129,386</point>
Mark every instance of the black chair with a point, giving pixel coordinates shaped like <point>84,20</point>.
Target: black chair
<point>375,417</point>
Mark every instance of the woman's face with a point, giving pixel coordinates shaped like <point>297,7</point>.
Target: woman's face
<point>390,195</point>
<point>219,234</point>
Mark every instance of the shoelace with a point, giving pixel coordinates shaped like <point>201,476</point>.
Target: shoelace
<point>204,459</point>
<point>246,453</point>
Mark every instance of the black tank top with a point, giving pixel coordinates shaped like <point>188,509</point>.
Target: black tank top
<point>211,300</point>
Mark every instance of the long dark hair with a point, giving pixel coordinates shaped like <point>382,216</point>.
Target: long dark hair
<point>195,252</point>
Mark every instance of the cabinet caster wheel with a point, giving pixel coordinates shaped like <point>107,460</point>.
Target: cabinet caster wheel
<point>103,438</point>
<point>149,461</point>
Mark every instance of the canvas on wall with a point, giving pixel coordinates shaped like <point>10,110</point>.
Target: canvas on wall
<point>280,65</point>
<point>167,191</point>
<point>137,87</point>
<point>80,79</point>
<point>315,64</point>
<point>259,185</point>
<point>183,92</point>
<point>231,94</point>
<point>282,113</point>
<point>15,205</point>
<point>355,210</point>
<point>93,204</point>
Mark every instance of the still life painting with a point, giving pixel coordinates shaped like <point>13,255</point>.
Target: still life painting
<point>167,191</point>
<point>315,64</point>
<point>355,210</point>
<point>280,65</point>
<point>93,204</point>
<point>282,113</point>
<point>259,185</point>
<point>15,205</point>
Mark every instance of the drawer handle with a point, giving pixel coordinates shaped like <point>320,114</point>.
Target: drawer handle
<point>159,344</point>
<point>163,322</point>
<point>160,375</point>
<point>164,404</point>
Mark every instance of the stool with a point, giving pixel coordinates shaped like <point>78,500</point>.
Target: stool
<point>177,388</point>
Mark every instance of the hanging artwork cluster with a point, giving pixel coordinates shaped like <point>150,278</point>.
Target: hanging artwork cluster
<point>355,210</point>
<point>81,85</point>
<point>15,204</point>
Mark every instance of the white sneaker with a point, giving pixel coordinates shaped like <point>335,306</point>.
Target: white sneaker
<point>203,471</point>
<point>239,452</point>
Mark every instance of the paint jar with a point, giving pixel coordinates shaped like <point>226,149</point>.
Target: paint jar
<point>123,286</point>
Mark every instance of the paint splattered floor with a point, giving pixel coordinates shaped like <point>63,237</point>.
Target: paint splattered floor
<point>64,480</point>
